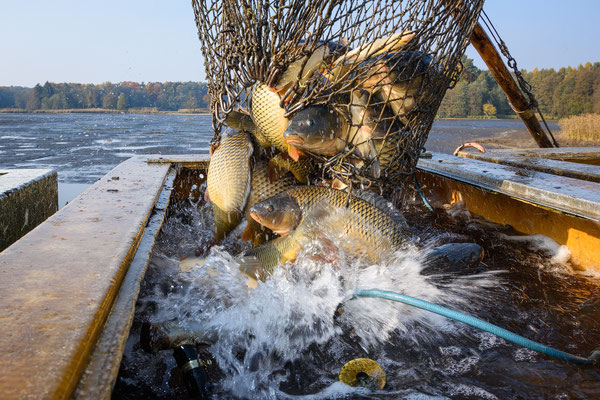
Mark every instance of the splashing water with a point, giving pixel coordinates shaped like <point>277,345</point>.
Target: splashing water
<point>288,337</point>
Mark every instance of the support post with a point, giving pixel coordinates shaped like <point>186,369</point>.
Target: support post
<point>482,43</point>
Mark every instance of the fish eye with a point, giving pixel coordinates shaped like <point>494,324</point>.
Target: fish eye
<point>270,208</point>
<point>309,122</point>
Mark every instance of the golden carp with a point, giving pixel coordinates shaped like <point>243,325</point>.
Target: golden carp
<point>398,79</point>
<point>228,181</point>
<point>262,188</point>
<point>367,228</point>
<point>280,164</point>
<point>269,117</point>
<point>302,69</point>
<point>324,131</point>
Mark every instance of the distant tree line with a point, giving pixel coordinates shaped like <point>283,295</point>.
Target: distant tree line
<point>168,96</point>
<point>568,91</point>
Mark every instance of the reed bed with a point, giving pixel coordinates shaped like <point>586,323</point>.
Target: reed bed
<point>585,127</point>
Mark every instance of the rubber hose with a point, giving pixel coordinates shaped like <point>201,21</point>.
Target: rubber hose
<point>477,323</point>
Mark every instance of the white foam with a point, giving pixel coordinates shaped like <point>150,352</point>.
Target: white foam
<point>559,254</point>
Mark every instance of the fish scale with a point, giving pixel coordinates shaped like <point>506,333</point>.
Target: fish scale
<point>364,220</point>
<point>268,116</point>
<point>228,181</point>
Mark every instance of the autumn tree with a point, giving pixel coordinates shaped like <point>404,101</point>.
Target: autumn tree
<point>109,101</point>
<point>122,102</point>
<point>489,110</point>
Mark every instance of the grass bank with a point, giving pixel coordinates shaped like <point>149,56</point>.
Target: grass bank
<point>581,128</point>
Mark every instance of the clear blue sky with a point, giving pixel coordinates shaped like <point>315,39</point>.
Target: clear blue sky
<point>133,40</point>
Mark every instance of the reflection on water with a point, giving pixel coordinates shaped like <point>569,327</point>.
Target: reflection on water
<point>282,339</point>
<point>68,191</point>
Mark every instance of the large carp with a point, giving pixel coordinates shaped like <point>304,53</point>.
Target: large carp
<point>367,229</point>
<point>228,181</point>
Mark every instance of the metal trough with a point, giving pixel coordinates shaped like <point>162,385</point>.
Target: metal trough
<point>68,288</point>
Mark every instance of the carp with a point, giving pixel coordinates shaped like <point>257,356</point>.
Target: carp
<point>367,228</point>
<point>228,181</point>
<point>262,188</point>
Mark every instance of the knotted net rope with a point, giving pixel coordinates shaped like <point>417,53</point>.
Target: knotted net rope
<point>383,66</point>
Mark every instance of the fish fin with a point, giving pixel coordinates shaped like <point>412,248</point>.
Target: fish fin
<point>338,184</point>
<point>374,169</point>
<point>248,234</point>
<point>294,152</point>
<point>225,222</point>
<point>275,170</point>
<point>251,266</point>
<point>254,232</point>
<point>240,121</point>
<point>383,204</point>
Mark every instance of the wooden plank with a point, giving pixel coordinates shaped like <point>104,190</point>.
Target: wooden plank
<point>59,282</point>
<point>99,377</point>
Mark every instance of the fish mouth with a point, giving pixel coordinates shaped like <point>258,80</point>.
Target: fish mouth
<point>255,216</point>
<point>294,140</point>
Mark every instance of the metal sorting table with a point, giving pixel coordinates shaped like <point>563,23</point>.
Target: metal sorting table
<point>61,285</point>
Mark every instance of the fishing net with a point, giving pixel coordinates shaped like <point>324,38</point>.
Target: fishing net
<point>381,67</point>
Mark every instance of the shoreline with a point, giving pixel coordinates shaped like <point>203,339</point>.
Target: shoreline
<point>202,112</point>
<point>101,111</point>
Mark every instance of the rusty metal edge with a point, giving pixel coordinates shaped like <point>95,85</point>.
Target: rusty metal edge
<point>100,375</point>
<point>200,161</point>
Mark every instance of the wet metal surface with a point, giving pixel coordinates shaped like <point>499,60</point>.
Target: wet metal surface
<point>565,194</point>
<point>557,165</point>
<point>58,283</point>
<point>100,374</point>
<point>529,201</point>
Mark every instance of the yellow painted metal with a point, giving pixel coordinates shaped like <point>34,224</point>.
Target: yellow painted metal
<point>59,282</point>
<point>580,235</point>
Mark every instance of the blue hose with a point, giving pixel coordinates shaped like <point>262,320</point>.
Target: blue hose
<point>477,323</point>
<point>420,191</point>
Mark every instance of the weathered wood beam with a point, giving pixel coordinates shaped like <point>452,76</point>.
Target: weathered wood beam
<point>484,46</point>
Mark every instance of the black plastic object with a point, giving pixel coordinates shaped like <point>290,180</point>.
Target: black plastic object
<point>194,375</point>
<point>452,257</point>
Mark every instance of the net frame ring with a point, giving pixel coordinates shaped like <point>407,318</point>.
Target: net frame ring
<point>351,372</point>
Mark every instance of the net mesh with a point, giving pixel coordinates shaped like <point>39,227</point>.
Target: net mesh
<point>372,72</point>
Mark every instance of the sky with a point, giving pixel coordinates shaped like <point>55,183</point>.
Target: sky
<point>151,40</point>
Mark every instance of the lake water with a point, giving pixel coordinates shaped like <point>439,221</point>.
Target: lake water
<point>84,147</point>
